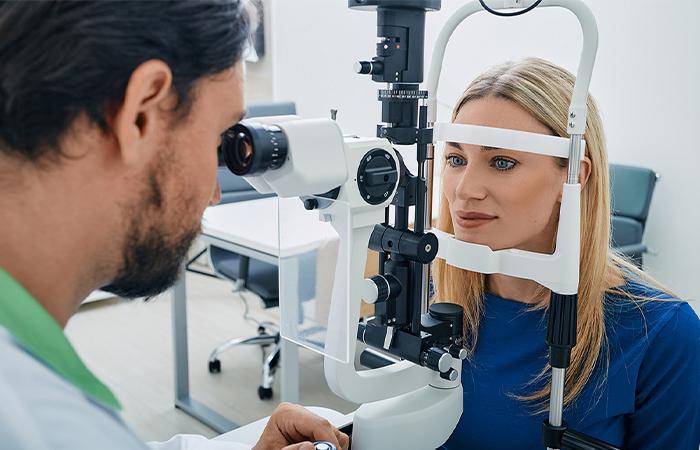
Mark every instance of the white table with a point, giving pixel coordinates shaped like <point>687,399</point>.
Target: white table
<point>250,434</point>
<point>251,229</point>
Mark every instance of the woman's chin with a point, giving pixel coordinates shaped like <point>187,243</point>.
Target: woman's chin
<point>472,237</point>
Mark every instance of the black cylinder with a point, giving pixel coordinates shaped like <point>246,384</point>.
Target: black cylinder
<point>420,247</point>
<point>451,313</point>
<point>561,328</point>
<point>374,360</point>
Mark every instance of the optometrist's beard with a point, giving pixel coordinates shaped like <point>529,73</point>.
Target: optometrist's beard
<point>156,243</point>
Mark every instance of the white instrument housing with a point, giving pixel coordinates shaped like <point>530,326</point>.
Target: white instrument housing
<point>404,405</point>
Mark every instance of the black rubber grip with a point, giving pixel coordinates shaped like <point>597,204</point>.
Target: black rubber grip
<point>561,329</point>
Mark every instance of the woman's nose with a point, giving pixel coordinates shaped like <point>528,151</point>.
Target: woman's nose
<point>472,185</point>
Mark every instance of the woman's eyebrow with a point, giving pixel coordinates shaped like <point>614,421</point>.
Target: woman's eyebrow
<point>484,148</point>
<point>456,145</point>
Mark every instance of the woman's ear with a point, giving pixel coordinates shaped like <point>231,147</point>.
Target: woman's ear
<point>585,171</point>
<point>584,174</point>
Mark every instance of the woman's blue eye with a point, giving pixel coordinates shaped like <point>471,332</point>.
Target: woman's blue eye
<point>503,164</point>
<point>455,161</point>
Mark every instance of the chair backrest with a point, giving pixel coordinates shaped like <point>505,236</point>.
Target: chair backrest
<point>631,191</point>
<point>234,188</point>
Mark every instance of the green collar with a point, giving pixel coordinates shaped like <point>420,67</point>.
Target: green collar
<point>39,333</point>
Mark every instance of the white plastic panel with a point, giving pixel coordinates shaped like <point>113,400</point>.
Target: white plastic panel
<point>525,141</point>
<point>308,272</point>
<point>558,271</point>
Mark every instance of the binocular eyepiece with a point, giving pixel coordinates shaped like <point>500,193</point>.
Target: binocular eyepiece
<point>250,148</point>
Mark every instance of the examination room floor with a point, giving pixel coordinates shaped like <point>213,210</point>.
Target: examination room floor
<point>128,345</point>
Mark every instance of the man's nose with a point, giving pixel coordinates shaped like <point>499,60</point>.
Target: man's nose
<point>472,185</point>
<point>216,195</point>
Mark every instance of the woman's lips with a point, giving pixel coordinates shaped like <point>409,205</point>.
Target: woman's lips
<point>471,219</point>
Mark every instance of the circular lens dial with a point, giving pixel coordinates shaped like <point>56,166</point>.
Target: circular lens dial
<point>251,148</point>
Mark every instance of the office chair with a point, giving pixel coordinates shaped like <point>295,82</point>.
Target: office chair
<point>247,273</point>
<point>262,279</point>
<point>631,191</point>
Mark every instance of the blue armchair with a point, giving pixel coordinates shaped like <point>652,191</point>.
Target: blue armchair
<point>631,191</point>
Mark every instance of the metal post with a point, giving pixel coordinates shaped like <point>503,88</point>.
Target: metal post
<point>556,400</point>
<point>574,159</point>
<point>180,350</point>
<point>289,382</point>
<point>183,401</point>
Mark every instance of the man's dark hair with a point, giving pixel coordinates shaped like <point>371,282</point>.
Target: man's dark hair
<point>64,58</point>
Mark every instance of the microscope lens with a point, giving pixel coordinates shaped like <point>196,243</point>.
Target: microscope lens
<point>251,148</point>
<point>244,149</point>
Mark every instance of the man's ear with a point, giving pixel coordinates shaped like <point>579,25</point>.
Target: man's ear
<point>146,98</point>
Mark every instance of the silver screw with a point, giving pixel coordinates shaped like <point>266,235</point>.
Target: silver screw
<point>571,124</point>
<point>428,247</point>
<point>572,115</point>
<point>334,113</point>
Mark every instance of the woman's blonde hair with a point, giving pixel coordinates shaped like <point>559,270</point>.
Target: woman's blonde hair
<point>545,90</point>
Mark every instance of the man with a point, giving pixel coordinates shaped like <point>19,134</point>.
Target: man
<point>110,118</point>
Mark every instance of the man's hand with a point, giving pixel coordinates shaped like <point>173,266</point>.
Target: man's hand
<point>292,424</point>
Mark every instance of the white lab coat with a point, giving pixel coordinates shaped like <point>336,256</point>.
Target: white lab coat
<point>39,410</point>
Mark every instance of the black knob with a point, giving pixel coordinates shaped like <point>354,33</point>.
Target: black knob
<point>369,67</point>
<point>426,248</point>
<point>388,287</point>
<point>458,352</point>
<point>437,359</point>
<point>363,67</point>
<point>450,375</point>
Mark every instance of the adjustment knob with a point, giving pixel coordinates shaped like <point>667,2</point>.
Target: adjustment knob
<point>437,359</point>
<point>458,352</point>
<point>381,288</point>
<point>363,67</point>
<point>324,445</point>
<point>368,67</point>
<point>450,375</point>
<point>377,176</point>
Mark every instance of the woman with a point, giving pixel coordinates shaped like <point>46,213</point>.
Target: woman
<point>634,379</point>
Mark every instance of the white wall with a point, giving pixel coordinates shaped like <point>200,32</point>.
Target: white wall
<point>645,80</point>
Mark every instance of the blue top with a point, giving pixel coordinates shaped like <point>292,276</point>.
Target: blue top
<point>650,399</point>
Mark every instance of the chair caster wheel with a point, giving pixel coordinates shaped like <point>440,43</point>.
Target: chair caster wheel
<point>264,393</point>
<point>215,366</point>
